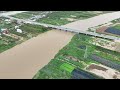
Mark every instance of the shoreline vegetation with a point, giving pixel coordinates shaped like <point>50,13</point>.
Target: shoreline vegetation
<point>74,54</point>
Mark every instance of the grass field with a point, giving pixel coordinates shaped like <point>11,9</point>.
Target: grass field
<point>27,15</point>
<point>67,67</point>
<point>57,17</point>
<point>6,43</point>
<point>53,71</point>
<point>23,15</point>
<point>117,26</point>
<point>61,17</point>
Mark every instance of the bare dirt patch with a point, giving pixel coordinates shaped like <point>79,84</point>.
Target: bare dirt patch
<point>103,71</point>
<point>117,47</point>
<point>71,19</point>
<point>93,66</point>
<point>112,45</point>
<point>101,29</point>
<point>76,60</point>
<point>72,58</point>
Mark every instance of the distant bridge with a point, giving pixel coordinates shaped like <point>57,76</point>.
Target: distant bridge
<point>66,29</point>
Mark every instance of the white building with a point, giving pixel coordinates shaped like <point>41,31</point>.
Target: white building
<point>19,30</point>
<point>8,21</point>
<point>3,29</point>
<point>16,27</point>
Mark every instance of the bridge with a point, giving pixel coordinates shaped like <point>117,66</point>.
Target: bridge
<point>64,28</point>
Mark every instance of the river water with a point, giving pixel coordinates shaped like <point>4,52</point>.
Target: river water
<point>83,25</point>
<point>24,60</point>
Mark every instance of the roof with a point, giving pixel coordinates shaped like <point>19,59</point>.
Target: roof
<point>3,29</point>
<point>19,30</point>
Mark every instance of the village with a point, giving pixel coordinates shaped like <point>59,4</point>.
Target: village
<point>14,32</point>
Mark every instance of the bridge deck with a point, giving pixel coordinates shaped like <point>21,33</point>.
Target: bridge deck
<point>67,29</point>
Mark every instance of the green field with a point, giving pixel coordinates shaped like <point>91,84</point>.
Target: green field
<point>67,67</point>
<point>116,21</point>
<point>60,17</point>
<point>73,49</point>
<point>117,27</point>
<point>6,43</point>
<point>27,15</point>
<point>53,71</point>
<point>23,15</point>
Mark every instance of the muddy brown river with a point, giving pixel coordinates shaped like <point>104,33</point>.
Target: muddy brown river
<point>24,60</point>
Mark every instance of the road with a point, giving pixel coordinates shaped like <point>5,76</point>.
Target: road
<point>24,60</point>
<point>82,25</point>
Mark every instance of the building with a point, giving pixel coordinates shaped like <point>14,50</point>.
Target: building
<point>4,31</point>
<point>19,30</point>
<point>8,21</point>
<point>16,27</point>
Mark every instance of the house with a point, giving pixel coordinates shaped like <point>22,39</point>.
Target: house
<point>19,30</point>
<point>16,27</point>
<point>19,22</point>
<point>8,21</point>
<point>4,31</point>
